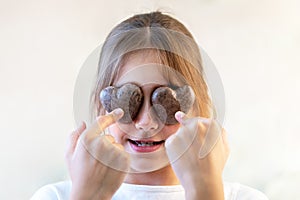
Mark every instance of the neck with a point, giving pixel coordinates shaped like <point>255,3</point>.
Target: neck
<point>164,176</point>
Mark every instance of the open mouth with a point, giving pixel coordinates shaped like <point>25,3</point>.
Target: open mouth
<point>145,146</point>
<point>145,143</point>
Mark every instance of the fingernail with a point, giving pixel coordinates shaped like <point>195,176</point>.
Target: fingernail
<point>118,112</point>
<point>180,116</point>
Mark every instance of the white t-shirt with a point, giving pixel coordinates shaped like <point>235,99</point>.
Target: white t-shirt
<point>233,191</point>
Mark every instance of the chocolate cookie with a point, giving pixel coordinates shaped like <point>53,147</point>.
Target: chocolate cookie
<point>129,97</point>
<point>167,102</point>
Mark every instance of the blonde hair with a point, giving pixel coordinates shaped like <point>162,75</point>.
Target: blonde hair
<point>173,43</point>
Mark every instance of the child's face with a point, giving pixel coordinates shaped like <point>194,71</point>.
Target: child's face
<point>146,134</point>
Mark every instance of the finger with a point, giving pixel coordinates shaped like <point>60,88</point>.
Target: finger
<point>109,138</point>
<point>102,122</point>
<point>183,118</point>
<point>73,139</point>
<point>225,141</point>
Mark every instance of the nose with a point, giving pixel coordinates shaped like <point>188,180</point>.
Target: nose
<point>146,120</point>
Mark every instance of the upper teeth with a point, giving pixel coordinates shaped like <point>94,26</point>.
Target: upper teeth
<point>144,144</point>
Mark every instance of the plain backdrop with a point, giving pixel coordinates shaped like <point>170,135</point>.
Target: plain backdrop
<point>254,44</point>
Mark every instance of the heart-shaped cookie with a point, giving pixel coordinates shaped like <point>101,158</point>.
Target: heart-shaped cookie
<point>129,97</point>
<point>167,102</point>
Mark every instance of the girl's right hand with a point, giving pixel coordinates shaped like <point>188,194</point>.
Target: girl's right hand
<point>91,179</point>
<point>198,151</point>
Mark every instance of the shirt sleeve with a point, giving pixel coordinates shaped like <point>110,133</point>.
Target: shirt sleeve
<point>248,193</point>
<point>45,193</point>
<point>57,191</point>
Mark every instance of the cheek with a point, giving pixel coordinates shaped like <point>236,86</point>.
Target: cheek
<point>169,130</point>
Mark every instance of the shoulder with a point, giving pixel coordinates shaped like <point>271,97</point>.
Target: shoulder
<point>237,191</point>
<point>56,191</point>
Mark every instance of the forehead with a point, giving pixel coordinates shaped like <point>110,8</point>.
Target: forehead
<point>142,68</point>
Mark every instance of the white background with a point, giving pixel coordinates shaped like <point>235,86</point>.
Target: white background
<point>255,45</point>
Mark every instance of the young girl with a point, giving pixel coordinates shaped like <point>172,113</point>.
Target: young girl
<point>154,136</point>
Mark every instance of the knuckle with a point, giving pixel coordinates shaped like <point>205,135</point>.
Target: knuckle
<point>100,119</point>
<point>120,148</point>
<point>73,133</point>
<point>101,124</point>
<point>109,137</point>
<point>104,119</point>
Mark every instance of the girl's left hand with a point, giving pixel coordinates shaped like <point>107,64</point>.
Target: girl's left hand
<point>198,152</point>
